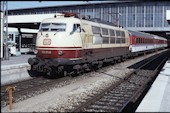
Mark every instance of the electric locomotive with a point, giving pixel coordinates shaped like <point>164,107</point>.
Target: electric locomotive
<point>69,44</point>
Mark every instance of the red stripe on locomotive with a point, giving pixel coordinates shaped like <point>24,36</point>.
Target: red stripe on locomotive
<point>60,53</point>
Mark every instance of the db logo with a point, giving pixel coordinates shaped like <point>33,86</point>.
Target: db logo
<point>47,41</point>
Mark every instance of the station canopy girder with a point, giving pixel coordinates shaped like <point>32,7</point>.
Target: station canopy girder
<point>27,21</point>
<point>24,25</point>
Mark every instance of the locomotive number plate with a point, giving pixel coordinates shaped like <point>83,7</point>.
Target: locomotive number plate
<point>46,52</point>
<point>47,41</point>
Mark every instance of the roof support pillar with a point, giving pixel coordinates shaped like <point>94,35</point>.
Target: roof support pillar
<point>19,39</point>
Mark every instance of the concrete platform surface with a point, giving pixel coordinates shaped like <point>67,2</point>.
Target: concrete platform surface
<point>15,69</point>
<point>16,60</point>
<point>158,97</point>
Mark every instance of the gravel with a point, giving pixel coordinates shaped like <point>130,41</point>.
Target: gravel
<point>63,98</point>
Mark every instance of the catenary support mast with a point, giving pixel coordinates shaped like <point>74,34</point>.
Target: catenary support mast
<point>4,30</point>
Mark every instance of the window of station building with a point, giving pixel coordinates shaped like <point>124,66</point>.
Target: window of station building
<point>105,31</point>
<point>96,30</point>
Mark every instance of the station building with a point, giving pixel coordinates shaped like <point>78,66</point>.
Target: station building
<point>142,16</point>
<point>147,16</point>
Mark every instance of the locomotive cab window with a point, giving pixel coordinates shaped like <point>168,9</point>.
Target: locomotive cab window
<point>76,28</point>
<point>58,27</point>
<point>44,27</point>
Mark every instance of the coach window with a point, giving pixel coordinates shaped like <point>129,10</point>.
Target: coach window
<point>137,40</point>
<point>133,40</point>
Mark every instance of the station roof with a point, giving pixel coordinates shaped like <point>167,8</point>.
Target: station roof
<point>81,4</point>
<point>27,21</point>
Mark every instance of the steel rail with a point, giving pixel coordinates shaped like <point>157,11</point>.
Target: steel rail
<point>84,105</point>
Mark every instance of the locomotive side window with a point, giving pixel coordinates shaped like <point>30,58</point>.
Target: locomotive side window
<point>96,30</point>
<point>118,37</point>
<point>123,36</point>
<point>105,37</point>
<point>97,39</point>
<point>105,31</point>
<point>118,40</point>
<point>112,40</point>
<point>112,36</point>
<point>112,32</point>
<point>123,40</point>
<point>118,33</point>
<point>58,27</point>
<point>122,33</point>
<point>105,40</point>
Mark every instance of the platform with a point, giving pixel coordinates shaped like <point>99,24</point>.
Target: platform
<point>15,69</point>
<point>157,98</point>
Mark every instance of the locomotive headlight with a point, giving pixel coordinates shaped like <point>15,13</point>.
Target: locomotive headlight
<point>60,52</point>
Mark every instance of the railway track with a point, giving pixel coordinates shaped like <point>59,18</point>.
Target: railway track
<point>116,97</point>
<point>29,88</point>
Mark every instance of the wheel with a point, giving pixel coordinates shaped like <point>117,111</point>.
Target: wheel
<point>34,73</point>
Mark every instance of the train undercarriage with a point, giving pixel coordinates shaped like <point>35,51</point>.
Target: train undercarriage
<point>53,68</point>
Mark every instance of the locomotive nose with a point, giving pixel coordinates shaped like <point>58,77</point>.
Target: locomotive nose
<point>32,61</point>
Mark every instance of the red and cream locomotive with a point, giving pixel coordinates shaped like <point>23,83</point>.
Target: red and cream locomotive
<point>67,42</point>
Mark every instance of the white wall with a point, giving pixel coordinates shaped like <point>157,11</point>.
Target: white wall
<point>167,14</point>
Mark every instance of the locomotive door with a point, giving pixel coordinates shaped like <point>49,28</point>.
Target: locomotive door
<point>86,38</point>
